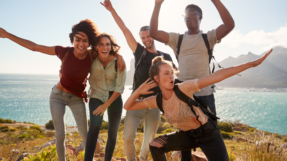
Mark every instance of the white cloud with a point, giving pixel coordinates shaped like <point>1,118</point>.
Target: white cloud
<point>265,40</point>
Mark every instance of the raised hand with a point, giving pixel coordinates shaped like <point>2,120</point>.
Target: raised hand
<point>3,33</point>
<point>146,86</point>
<point>260,60</point>
<point>159,1</point>
<point>108,5</point>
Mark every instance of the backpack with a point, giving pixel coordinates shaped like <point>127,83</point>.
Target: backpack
<point>210,51</point>
<point>196,102</point>
<point>65,57</point>
<point>139,63</point>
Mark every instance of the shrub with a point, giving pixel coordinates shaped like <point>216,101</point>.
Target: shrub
<point>8,121</point>
<point>224,126</point>
<point>7,129</point>
<point>277,136</point>
<point>50,134</point>
<point>169,130</point>
<point>1,120</point>
<point>49,125</point>
<point>23,135</point>
<point>284,139</point>
<point>225,135</point>
<point>36,127</point>
<point>251,129</point>
<point>104,125</point>
<point>22,128</point>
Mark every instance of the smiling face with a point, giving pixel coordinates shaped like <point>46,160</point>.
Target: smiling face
<point>81,42</point>
<point>192,18</point>
<point>165,79</point>
<point>104,47</point>
<point>146,39</point>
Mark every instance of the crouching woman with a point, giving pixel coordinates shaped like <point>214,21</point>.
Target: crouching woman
<point>197,128</point>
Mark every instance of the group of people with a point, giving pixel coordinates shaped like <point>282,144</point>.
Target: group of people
<point>154,88</point>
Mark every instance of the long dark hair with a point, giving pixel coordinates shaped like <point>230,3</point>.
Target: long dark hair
<point>115,47</point>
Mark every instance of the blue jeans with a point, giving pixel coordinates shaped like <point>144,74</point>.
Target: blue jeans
<point>132,121</point>
<point>210,102</point>
<point>114,120</point>
<point>58,102</point>
<point>209,140</point>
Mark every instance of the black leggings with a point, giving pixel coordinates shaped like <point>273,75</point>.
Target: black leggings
<point>210,142</point>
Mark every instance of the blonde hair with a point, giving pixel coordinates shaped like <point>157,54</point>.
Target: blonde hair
<point>156,62</point>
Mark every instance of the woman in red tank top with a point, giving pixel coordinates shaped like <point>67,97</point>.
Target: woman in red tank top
<point>70,90</point>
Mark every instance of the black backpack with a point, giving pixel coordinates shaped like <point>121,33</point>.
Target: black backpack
<point>139,63</point>
<point>196,102</point>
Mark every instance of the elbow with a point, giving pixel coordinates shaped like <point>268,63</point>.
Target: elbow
<point>34,47</point>
<point>231,26</point>
<point>126,107</point>
<point>152,34</point>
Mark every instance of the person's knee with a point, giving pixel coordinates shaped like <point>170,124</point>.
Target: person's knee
<point>155,144</point>
<point>60,138</point>
<point>129,140</point>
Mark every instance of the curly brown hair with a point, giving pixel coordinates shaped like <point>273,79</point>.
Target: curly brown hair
<point>115,47</point>
<point>88,27</point>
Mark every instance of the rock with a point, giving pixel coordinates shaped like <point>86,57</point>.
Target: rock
<point>2,158</point>
<point>15,151</point>
<point>36,147</point>
<point>102,154</point>
<point>196,156</point>
<point>241,140</point>
<point>24,155</point>
<point>47,144</point>
<point>237,129</point>
<point>175,156</point>
<point>80,148</point>
<point>284,146</point>
<point>71,148</point>
<point>98,147</point>
<point>52,142</point>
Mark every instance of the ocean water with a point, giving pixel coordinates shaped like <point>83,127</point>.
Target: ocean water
<point>26,98</point>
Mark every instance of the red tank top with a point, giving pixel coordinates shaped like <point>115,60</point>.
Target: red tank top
<point>74,72</point>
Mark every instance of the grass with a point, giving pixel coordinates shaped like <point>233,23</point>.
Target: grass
<point>24,139</point>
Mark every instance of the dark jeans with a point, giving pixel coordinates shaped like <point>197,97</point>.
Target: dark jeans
<point>210,102</point>
<point>114,119</point>
<point>210,142</point>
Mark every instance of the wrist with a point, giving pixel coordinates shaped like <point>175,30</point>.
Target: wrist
<point>158,3</point>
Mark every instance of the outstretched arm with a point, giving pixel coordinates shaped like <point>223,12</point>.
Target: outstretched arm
<point>161,36</point>
<point>228,22</point>
<point>27,44</point>
<point>228,72</point>
<point>129,37</point>
<point>142,90</point>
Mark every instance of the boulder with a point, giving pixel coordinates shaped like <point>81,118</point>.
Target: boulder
<point>237,129</point>
<point>24,155</point>
<point>284,146</point>
<point>15,152</point>
<point>35,148</point>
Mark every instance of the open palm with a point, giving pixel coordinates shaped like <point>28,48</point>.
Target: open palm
<point>260,60</point>
<point>107,4</point>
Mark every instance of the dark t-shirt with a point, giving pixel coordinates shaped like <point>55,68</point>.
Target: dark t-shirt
<point>74,71</point>
<point>142,73</point>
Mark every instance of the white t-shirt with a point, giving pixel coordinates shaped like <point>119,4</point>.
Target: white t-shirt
<point>193,57</point>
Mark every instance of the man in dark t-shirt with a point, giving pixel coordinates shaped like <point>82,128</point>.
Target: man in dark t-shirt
<point>133,118</point>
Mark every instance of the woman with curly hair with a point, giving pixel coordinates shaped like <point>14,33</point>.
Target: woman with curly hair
<point>106,87</point>
<point>70,91</point>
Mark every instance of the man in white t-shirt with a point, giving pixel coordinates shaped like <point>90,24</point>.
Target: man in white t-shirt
<point>193,57</point>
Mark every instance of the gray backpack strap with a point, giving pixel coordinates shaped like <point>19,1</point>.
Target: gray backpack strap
<point>64,58</point>
<point>140,60</point>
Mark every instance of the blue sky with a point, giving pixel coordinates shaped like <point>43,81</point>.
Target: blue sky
<point>260,25</point>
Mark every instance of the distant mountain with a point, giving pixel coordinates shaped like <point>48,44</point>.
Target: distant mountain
<point>272,73</point>
<point>130,73</point>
